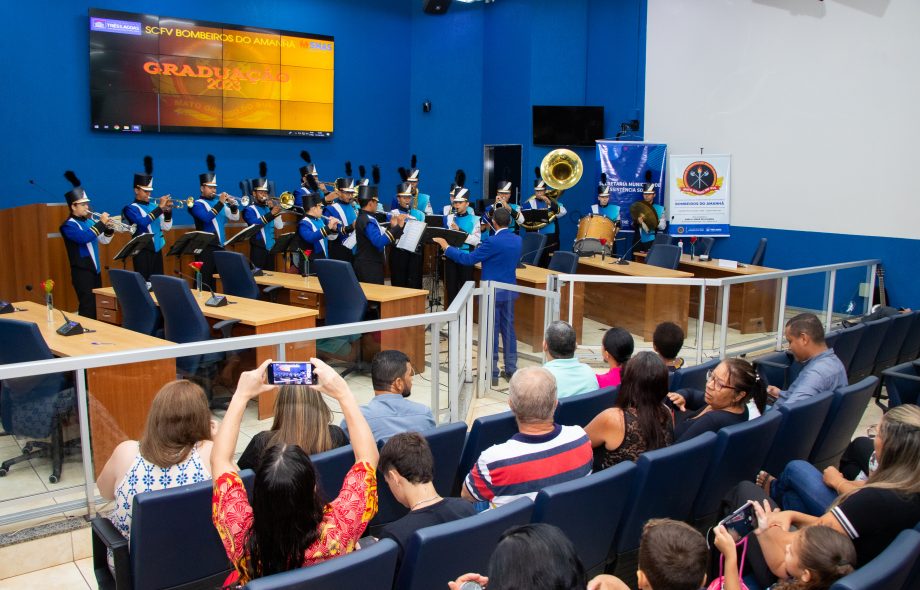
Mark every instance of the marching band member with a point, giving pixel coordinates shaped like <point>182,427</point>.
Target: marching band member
<point>603,205</point>
<point>461,219</point>
<point>307,172</point>
<point>211,212</point>
<point>420,201</point>
<point>644,234</point>
<point>82,236</point>
<point>502,196</point>
<point>539,200</point>
<point>346,211</point>
<point>372,238</point>
<point>459,181</point>
<point>268,215</point>
<point>314,230</point>
<point>405,266</point>
<point>150,217</point>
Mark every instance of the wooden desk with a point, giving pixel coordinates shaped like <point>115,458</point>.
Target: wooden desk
<point>256,317</point>
<point>394,302</point>
<point>752,306</point>
<point>119,396</point>
<point>637,308</point>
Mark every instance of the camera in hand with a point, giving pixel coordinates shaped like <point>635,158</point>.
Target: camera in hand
<point>290,373</point>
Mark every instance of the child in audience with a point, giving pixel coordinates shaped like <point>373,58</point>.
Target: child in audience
<point>667,340</point>
<point>618,348</point>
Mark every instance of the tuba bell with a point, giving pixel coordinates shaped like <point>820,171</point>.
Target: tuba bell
<point>561,169</point>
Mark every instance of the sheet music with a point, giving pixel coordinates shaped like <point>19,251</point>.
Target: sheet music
<point>351,241</point>
<point>412,233</point>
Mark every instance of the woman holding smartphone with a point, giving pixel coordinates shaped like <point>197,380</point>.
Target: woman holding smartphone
<point>287,526</point>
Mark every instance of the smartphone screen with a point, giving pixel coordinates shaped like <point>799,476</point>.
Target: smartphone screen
<point>741,522</point>
<point>290,374</point>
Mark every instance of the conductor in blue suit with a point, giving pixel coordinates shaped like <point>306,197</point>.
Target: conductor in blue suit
<point>499,257</point>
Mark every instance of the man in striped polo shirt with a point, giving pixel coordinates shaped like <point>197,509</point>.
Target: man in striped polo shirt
<point>541,454</point>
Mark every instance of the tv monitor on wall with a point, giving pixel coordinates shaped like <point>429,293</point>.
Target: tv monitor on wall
<point>574,126</point>
<point>162,74</point>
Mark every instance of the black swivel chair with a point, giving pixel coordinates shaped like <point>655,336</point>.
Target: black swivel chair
<point>345,304</point>
<point>236,276</point>
<point>138,311</point>
<point>664,255</point>
<point>34,407</point>
<point>759,253</point>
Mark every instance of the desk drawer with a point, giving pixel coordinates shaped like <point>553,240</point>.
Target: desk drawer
<point>106,302</point>
<point>111,316</point>
<point>304,299</point>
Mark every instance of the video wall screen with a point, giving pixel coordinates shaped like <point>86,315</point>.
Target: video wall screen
<point>162,74</point>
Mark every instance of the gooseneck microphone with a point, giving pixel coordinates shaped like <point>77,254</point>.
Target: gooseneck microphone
<point>215,300</point>
<point>622,259</point>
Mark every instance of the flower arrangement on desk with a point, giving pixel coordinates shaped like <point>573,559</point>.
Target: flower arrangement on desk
<point>306,261</point>
<point>48,286</point>
<point>603,247</point>
<point>692,247</point>
<point>196,266</point>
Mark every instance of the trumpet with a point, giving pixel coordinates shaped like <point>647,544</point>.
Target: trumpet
<point>187,203</point>
<point>115,224</point>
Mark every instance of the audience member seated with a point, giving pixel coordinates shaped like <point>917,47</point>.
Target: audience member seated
<point>871,513</point>
<point>572,376</point>
<point>667,340</point>
<point>542,453</point>
<point>174,450</point>
<point>391,412</point>
<point>822,370</point>
<point>729,388</point>
<point>407,466</point>
<point>639,421</point>
<point>302,418</point>
<point>287,526</point>
<point>815,558</point>
<point>618,347</point>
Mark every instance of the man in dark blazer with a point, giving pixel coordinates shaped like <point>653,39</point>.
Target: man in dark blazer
<point>499,256</point>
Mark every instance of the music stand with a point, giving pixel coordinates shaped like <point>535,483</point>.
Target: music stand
<point>454,238</point>
<point>244,234</point>
<point>134,247</point>
<point>435,220</point>
<point>532,216</point>
<point>289,243</point>
<point>194,242</point>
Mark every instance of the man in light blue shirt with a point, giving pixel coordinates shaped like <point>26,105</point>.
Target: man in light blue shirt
<point>572,376</point>
<point>822,370</point>
<point>390,412</point>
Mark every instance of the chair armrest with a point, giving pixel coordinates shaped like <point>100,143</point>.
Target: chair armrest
<point>271,291</point>
<point>225,327</point>
<point>107,538</point>
<point>892,374</point>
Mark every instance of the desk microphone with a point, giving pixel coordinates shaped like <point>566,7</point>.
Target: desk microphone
<point>214,300</point>
<point>70,328</point>
<point>520,260</point>
<point>622,259</point>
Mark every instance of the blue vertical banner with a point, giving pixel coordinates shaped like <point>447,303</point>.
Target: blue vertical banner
<point>628,165</point>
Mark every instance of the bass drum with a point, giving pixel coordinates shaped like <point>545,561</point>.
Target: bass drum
<point>596,233</point>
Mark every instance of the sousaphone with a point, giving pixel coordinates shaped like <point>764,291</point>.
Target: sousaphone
<point>640,207</point>
<point>561,169</point>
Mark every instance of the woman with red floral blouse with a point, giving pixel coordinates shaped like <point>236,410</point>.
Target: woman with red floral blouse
<point>287,526</point>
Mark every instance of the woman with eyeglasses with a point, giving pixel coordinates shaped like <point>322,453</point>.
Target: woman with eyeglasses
<point>729,388</point>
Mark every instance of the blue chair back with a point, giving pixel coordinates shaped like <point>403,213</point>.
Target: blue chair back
<point>345,300</point>
<point>759,253</point>
<point>485,432</point>
<point>693,377</point>
<point>564,262</point>
<point>847,342</point>
<point>664,255</point>
<point>582,408</point>
<point>331,468</point>
<point>663,239</point>
<point>183,320</point>
<point>532,245</point>
<point>374,566</point>
<point>443,552</point>
<point>910,350</point>
<point>780,368</point>
<point>890,570</point>
<point>235,275</point>
<point>173,541</point>
<point>705,246</point>
<point>446,443</point>
<point>902,382</point>
<point>588,510</point>
<point>666,484</point>
<point>890,349</point>
<point>138,311</point>
<point>798,433</point>
<point>846,411</point>
<point>739,453</point>
<point>869,345</point>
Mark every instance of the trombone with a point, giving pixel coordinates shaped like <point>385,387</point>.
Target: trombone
<point>285,200</point>
<point>115,224</point>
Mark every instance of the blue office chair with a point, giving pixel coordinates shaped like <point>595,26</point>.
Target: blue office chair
<point>532,246</point>
<point>345,304</point>
<point>173,542</point>
<point>892,569</point>
<point>891,346</point>
<point>439,553</point>
<point>910,350</point>
<point>34,407</point>
<point>582,408</point>
<point>779,368</point>
<point>663,239</point>
<point>666,484</point>
<point>236,276</point>
<point>588,510</point>
<point>184,322</point>
<point>902,383</point>
<point>485,432</point>
<point>331,467</point>
<point>759,253</point>
<point>863,363</point>
<point>371,567</point>
<point>739,453</point>
<point>847,409</point>
<point>846,342</point>
<point>798,433</point>
<point>664,255</point>
<point>564,262</point>
<point>693,377</point>
<point>138,311</point>
<point>704,246</point>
